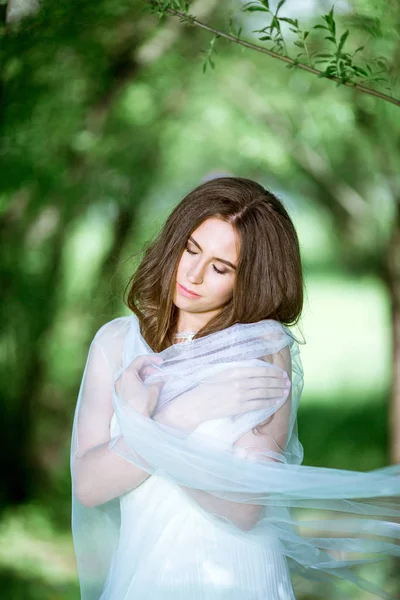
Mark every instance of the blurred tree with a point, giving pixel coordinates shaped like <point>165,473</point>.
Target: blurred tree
<point>71,138</point>
<point>17,9</point>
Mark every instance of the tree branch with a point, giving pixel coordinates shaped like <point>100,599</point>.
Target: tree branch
<point>191,20</point>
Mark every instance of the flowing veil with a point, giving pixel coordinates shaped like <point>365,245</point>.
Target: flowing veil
<point>355,514</point>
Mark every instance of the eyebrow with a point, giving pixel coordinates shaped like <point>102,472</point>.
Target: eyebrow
<point>226,262</point>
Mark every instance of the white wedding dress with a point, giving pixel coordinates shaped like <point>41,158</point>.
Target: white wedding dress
<point>183,533</point>
<point>170,549</point>
<point>167,543</point>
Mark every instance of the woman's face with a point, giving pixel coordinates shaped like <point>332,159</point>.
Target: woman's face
<point>207,267</point>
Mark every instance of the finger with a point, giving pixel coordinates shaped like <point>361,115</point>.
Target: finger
<point>156,359</point>
<point>267,370</point>
<point>154,392</point>
<point>138,362</point>
<point>266,383</point>
<point>153,361</point>
<point>262,405</point>
<point>258,404</point>
<point>143,365</point>
<point>264,395</point>
<point>134,369</point>
<point>152,405</point>
<point>158,385</point>
<point>127,383</point>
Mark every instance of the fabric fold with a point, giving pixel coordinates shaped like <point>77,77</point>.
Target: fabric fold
<point>252,493</point>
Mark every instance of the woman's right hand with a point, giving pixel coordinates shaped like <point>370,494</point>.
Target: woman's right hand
<point>227,393</point>
<point>131,388</point>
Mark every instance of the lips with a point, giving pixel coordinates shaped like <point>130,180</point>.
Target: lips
<point>189,291</point>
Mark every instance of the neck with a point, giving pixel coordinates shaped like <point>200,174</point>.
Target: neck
<point>193,321</point>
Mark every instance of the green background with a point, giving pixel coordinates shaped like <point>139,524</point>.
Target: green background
<point>107,122</point>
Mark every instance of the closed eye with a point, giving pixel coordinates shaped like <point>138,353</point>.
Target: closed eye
<point>214,267</point>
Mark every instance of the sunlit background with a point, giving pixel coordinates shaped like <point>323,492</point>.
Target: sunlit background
<point>108,121</point>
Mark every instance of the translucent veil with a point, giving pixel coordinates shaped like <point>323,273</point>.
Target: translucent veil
<point>254,492</point>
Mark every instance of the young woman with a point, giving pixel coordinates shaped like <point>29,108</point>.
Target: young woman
<point>185,457</point>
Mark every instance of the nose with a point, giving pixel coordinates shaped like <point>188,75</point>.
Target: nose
<point>195,274</point>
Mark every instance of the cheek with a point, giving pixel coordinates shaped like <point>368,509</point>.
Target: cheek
<point>181,264</point>
<point>224,289</point>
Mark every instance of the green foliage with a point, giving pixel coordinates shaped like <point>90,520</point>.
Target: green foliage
<point>161,9</point>
<point>209,53</point>
<point>272,32</point>
<point>339,63</point>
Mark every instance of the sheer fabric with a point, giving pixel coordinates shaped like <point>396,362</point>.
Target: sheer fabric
<point>161,512</point>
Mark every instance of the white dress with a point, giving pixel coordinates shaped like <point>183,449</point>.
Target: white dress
<point>170,550</point>
<point>165,541</point>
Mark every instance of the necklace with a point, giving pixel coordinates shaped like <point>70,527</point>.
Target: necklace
<point>186,335</point>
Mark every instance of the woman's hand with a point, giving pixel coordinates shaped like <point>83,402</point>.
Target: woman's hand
<point>131,388</point>
<point>228,393</point>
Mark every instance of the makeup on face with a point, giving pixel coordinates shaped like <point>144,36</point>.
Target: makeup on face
<point>185,292</point>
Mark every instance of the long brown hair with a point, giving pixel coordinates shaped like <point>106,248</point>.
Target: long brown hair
<point>268,282</point>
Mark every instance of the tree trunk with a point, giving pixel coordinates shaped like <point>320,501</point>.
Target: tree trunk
<point>17,9</point>
<point>393,284</point>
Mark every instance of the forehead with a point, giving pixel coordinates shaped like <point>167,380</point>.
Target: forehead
<point>218,238</point>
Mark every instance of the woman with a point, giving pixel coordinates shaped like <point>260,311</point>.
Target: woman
<point>185,458</point>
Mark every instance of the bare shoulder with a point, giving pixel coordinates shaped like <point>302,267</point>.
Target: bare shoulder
<point>115,329</point>
<point>279,343</point>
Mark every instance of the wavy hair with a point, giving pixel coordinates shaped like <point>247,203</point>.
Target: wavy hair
<point>268,282</point>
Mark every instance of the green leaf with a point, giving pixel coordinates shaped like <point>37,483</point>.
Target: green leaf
<point>331,19</point>
<point>293,22</point>
<point>374,28</point>
<point>265,38</point>
<point>275,23</point>
<point>330,38</point>
<point>324,55</point>
<point>381,61</point>
<point>280,3</point>
<point>321,27</point>
<point>360,71</point>
<point>305,35</point>
<point>255,9</point>
<point>330,71</point>
<point>342,40</point>
<point>299,44</point>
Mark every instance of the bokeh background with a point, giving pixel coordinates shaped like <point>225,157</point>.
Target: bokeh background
<point>107,121</point>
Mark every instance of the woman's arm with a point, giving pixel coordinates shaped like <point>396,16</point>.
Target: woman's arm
<point>269,441</point>
<point>99,474</point>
